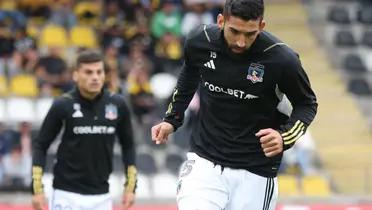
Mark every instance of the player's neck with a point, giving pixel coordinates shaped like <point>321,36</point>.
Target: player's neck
<point>88,95</point>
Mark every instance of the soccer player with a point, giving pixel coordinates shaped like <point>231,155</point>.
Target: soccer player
<point>246,75</point>
<point>91,118</point>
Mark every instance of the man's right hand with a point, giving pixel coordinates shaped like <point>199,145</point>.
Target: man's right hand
<point>161,131</point>
<point>38,202</point>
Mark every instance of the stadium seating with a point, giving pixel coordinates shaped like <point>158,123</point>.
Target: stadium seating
<point>2,110</point>
<point>23,85</point>
<point>53,36</point>
<point>19,110</point>
<point>146,164</point>
<point>182,137</point>
<point>339,15</point>
<point>367,39</point>
<point>354,63</point>
<point>345,38</point>
<point>315,185</point>
<point>42,106</point>
<point>359,87</point>
<point>3,86</point>
<point>365,15</point>
<point>288,185</point>
<point>7,5</point>
<point>83,36</point>
<point>173,162</point>
<point>88,12</point>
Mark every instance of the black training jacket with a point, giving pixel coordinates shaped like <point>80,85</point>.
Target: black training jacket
<point>84,157</point>
<point>239,95</point>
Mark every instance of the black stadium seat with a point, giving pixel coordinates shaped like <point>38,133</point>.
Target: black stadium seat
<point>367,39</point>
<point>146,164</point>
<point>359,87</point>
<point>354,63</point>
<point>173,162</point>
<point>365,15</point>
<point>339,15</point>
<point>345,38</point>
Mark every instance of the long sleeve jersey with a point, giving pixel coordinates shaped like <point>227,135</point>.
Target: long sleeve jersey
<point>239,95</point>
<point>84,156</point>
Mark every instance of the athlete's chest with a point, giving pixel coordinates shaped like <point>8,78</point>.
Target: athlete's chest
<point>253,74</point>
<point>101,118</point>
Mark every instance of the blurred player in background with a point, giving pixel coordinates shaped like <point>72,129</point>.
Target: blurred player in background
<point>91,118</point>
<point>244,74</point>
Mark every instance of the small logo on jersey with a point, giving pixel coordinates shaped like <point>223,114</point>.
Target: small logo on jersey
<point>111,112</point>
<point>77,113</point>
<point>256,72</point>
<point>210,64</point>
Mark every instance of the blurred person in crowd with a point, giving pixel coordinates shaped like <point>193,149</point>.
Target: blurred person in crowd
<point>17,160</point>
<point>112,10</point>
<point>17,167</point>
<point>300,160</point>
<point>112,34</point>
<point>144,37</point>
<point>35,9</point>
<point>141,96</point>
<point>112,57</point>
<point>6,139</point>
<point>25,137</point>
<point>169,51</point>
<point>8,66</point>
<point>92,118</point>
<point>244,73</point>
<point>62,13</point>
<point>136,58</point>
<point>10,14</point>
<point>196,15</point>
<point>112,80</point>
<point>26,55</point>
<point>167,20</point>
<point>51,71</point>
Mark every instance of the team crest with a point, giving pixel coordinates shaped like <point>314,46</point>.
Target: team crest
<point>111,112</point>
<point>256,72</point>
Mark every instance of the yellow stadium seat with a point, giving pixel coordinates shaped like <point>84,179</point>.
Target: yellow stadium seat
<point>8,5</point>
<point>33,3</point>
<point>85,7</point>
<point>24,85</point>
<point>3,86</point>
<point>315,185</point>
<point>288,185</point>
<point>83,36</point>
<point>53,36</point>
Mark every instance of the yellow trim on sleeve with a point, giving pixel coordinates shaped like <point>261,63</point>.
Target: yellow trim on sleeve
<point>132,178</point>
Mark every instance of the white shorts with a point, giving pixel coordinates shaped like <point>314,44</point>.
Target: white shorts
<point>63,200</point>
<point>202,185</point>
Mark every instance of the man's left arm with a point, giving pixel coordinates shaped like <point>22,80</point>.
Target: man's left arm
<point>125,135</point>
<point>295,84</point>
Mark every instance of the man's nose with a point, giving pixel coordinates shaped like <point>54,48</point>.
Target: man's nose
<point>95,76</point>
<point>241,42</point>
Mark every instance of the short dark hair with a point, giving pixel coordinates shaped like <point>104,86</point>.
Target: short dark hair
<point>88,56</point>
<point>244,9</point>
